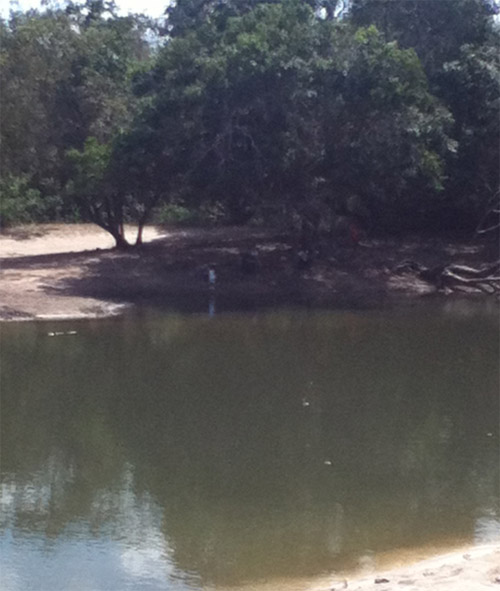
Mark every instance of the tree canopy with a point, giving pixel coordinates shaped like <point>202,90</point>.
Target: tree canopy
<point>287,110</point>
<point>66,76</point>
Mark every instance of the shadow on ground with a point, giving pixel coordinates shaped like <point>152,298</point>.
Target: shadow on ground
<point>171,272</point>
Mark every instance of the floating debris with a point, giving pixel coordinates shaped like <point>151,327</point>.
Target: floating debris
<point>62,333</point>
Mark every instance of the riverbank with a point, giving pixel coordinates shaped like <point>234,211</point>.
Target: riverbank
<point>56,271</point>
<point>466,569</point>
<point>469,568</point>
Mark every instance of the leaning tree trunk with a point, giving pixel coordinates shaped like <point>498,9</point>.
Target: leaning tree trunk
<point>117,230</point>
<point>121,242</point>
<point>115,223</point>
<point>106,221</point>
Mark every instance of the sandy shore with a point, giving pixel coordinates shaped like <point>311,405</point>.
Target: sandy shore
<point>468,569</point>
<point>40,263</point>
<point>58,271</point>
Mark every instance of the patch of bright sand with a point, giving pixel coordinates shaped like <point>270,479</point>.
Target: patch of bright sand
<point>57,238</point>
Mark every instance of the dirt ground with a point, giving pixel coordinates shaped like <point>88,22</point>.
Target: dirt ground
<point>40,264</point>
<point>53,271</point>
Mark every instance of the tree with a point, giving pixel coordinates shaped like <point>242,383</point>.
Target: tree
<point>140,179</point>
<point>257,107</point>
<point>470,86</point>
<point>92,189</point>
<point>457,42</point>
<point>435,30</point>
<point>113,183</point>
<point>281,110</point>
<point>387,137</point>
<point>66,76</point>
<point>184,16</point>
<point>36,54</point>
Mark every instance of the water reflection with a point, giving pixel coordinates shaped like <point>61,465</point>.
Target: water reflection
<point>117,544</point>
<point>211,305</point>
<point>177,453</point>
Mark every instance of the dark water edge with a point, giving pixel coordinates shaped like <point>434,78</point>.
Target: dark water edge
<point>164,451</point>
<point>205,302</point>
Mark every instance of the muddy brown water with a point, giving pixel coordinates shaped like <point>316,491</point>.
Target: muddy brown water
<point>169,452</point>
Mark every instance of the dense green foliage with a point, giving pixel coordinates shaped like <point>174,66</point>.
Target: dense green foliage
<point>66,76</point>
<point>458,46</point>
<point>291,110</point>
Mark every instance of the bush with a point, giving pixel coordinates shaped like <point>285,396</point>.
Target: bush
<point>179,215</point>
<point>22,204</point>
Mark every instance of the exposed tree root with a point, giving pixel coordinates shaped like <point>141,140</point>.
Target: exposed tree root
<point>456,277</point>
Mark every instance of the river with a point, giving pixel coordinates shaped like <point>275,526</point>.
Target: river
<point>164,452</point>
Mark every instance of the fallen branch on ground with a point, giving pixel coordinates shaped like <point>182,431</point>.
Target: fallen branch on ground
<point>456,277</point>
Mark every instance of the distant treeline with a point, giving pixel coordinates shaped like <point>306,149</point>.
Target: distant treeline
<point>291,111</point>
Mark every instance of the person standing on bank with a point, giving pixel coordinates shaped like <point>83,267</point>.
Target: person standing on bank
<point>212,278</point>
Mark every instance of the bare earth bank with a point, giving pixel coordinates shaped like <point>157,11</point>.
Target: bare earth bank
<point>40,264</point>
<point>53,271</point>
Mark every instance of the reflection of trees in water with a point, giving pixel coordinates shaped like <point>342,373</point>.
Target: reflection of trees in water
<point>210,418</point>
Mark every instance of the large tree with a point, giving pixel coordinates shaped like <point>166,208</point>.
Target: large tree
<point>281,110</point>
<point>263,106</point>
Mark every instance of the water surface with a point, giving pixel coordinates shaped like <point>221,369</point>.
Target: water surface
<point>166,452</point>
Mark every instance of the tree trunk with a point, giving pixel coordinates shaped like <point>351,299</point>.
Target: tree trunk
<point>140,228</point>
<point>121,243</point>
<point>118,233</point>
<point>149,206</point>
